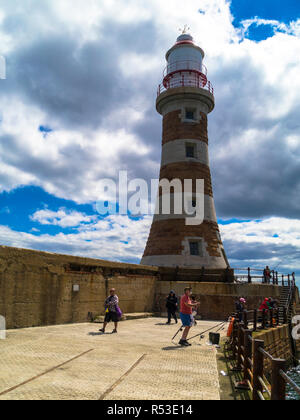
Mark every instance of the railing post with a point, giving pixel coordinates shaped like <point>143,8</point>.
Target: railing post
<point>289,280</point>
<point>263,322</point>
<point>249,275</point>
<point>234,339</point>
<point>274,280</point>
<point>247,354</point>
<point>282,277</point>
<point>255,320</point>
<point>245,319</point>
<point>271,318</point>
<point>278,382</point>
<point>277,317</point>
<point>258,368</point>
<point>277,278</point>
<point>240,344</point>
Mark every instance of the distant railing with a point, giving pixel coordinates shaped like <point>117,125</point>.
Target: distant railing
<point>252,276</point>
<point>186,81</point>
<point>249,355</point>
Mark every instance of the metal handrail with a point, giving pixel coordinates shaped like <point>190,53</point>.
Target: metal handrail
<point>186,82</point>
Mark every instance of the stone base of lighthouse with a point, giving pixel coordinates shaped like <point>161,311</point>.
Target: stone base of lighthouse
<point>169,245</point>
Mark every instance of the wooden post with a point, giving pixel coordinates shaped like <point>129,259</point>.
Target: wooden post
<point>247,354</point>
<point>234,338</point>
<point>263,322</point>
<point>277,282</point>
<point>289,280</point>
<point>278,383</point>
<point>249,275</point>
<point>255,320</point>
<point>245,319</point>
<point>274,280</point>
<point>240,344</point>
<point>271,318</point>
<point>277,316</point>
<point>282,280</point>
<point>258,368</point>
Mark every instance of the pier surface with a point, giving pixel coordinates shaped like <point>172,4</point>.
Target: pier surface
<point>77,362</point>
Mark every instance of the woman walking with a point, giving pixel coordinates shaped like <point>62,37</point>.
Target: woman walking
<point>112,311</point>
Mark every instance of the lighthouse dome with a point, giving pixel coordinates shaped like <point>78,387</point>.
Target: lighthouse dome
<point>185,37</point>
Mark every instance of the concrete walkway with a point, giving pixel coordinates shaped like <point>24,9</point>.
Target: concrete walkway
<point>77,362</point>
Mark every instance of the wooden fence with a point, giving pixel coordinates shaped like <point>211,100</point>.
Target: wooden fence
<point>249,356</point>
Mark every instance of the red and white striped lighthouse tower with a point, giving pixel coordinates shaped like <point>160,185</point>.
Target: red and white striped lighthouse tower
<point>185,98</point>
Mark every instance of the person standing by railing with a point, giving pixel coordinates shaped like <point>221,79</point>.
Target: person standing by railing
<point>267,275</point>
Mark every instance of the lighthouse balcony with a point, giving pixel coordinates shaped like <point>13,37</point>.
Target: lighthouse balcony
<point>186,79</point>
<point>185,73</point>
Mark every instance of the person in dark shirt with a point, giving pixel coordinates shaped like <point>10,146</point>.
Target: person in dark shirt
<point>172,304</point>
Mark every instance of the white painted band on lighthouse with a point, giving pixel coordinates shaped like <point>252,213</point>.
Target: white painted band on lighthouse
<point>178,151</point>
<point>209,211</point>
<point>184,261</point>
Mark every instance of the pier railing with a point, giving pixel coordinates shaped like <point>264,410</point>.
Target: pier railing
<point>249,356</point>
<point>254,275</point>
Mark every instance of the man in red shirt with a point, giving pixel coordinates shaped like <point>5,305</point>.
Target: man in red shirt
<point>186,310</point>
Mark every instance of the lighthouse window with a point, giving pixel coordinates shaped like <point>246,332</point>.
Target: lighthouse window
<point>190,114</point>
<point>190,150</point>
<point>194,248</point>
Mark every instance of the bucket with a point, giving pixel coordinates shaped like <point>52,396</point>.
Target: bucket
<point>214,338</point>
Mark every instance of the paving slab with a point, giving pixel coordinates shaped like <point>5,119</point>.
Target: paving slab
<point>75,362</point>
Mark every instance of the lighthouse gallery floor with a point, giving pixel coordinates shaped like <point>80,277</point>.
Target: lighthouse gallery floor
<point>76,362</point>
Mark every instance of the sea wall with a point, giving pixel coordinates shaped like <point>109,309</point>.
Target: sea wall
<point>217,299</point>
<point>38,288</point>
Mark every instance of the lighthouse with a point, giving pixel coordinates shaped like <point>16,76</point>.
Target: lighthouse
<point>184,99</point>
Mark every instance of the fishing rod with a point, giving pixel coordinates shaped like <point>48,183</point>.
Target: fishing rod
<point>210,329</point>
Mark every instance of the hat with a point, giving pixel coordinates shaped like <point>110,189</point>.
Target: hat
<point>242,300</point>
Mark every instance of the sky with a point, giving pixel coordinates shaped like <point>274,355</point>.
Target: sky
<point>78,105</point>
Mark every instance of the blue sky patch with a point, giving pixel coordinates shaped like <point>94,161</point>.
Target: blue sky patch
<point>283,11</point>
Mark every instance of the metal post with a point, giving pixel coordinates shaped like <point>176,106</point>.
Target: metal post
<point>278,382</point>
<point>258,368</point>
<point>277,278</point>
<point>274,280</point>
<point>249,275</point>
<point>289,280</point>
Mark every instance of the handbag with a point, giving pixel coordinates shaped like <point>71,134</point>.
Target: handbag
<point>119,312</point>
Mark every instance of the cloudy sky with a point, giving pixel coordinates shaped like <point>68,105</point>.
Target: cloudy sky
<point>77,105</point>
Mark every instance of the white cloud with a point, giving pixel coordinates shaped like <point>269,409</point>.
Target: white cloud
<point>63,218</point>
<point>114,238</point>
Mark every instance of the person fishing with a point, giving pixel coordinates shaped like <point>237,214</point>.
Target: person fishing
<point>172,305</point>
<point>186,311</point>
<point>112,311</point>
